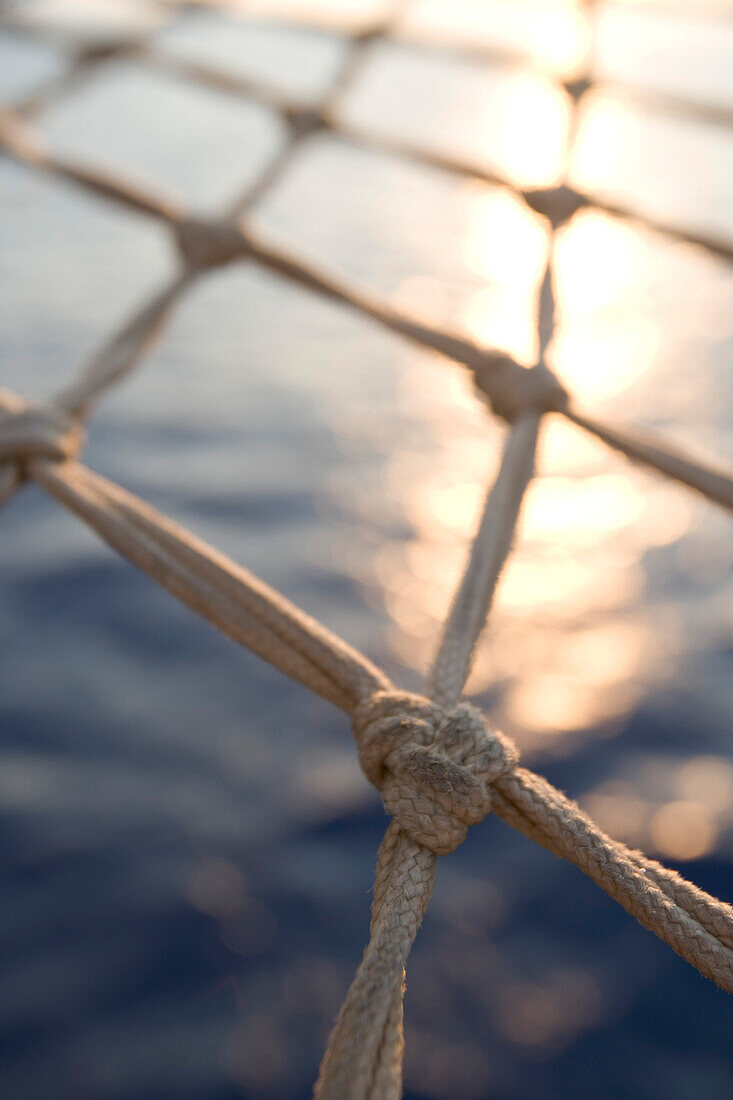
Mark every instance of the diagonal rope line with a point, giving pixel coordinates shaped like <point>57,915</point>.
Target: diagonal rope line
<point>368,1033</point>
<point>328,117</point>
<point>438,764</point>
<point>492,544</point>
<point>255,615</point>
<point>643,888</point>
<point>651,450</point>
<point>696,926</point>
<point>118,357</point>
<point>717,485</point>
<point>363,1059</point>
<point>228,597</point>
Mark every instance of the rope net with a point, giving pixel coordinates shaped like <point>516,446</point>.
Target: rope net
<point>437,761</point>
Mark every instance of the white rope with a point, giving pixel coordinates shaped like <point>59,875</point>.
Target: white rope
<point>440,767</point>
<point>490,549</point>
<point>438,764</point>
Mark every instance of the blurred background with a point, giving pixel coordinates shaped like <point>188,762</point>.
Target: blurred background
<point>188,841</point>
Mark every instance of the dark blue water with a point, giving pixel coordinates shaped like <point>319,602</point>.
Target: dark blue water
<point>188,843</point>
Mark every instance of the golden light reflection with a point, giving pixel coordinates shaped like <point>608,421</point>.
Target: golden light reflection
<point>668,515</point>
<point>596,369</point>
<point>604,271</point>
<point>597,261</point>
<point>683,830</point>
<point>507,246</point>
<point>581,512</point>
<point>491,318</point>
<point>708,780</point>
<point>423,296</point>
<point>567,649</point>
<point>529,132</point>
<point>502,247</point>
<point>566,451</point>
<point>569,585</point>
<point>504,241</point>
<point>603,142</point>
<point>451,507</point>
<point>448,399</point>
<point>554,34</point>
<point>550,703</point>
<point>676,808</point>
<point>609,273</point>
<point>559,36</point>
<point>562,670</point>
<point>606,653</point>
<point>619,810</point>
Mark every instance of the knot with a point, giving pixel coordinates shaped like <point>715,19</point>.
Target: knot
<point>36,431</point>
<point>304,120</point>
<point>512,389</point>
<point>557,204</point>
<point>209,244</point>
<point>433,767</point>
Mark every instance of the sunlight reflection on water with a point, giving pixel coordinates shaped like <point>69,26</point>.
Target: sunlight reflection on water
<point>223,807</point>
<point>630,154</point>
<point>506,120</point>
<point>550,32</point>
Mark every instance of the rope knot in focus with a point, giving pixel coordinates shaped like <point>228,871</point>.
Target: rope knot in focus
<point>36,431</point>
<point>433,767</point>
<point>513,389</point>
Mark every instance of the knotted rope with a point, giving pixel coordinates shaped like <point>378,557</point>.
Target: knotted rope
<point>512,389</point>
<point>434,769</point>
<point>438,764</point>
<point>206,244</point>
<point>36,431</point>
<point>440,769</point>
<point>33,431</point>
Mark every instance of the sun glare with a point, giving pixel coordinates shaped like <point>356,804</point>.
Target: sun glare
<point>531,130</point>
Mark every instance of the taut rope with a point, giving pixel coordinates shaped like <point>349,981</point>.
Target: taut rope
<point>438,763</point>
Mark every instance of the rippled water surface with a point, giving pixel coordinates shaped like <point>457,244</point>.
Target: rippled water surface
<point>188,841</point>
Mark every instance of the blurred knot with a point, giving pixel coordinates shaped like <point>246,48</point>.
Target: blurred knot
<point>512,389</point>
<point>557,204</point>
<point>433,767</point>
<point>304,120</point>
<point>209,244</point>
<point>36,431</point>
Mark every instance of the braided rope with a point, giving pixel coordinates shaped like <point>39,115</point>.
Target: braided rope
<point>438,764</point>
<point>439,769</point>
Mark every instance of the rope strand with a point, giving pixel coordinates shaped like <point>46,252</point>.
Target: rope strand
<point>439,766</point>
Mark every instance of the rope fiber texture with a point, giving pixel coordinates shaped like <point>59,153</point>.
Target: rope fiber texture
<point>439,764</point>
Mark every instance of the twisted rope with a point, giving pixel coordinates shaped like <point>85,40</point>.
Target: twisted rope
<point>439,765</point>
<point>508,387</point>
<point>437,758</point>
